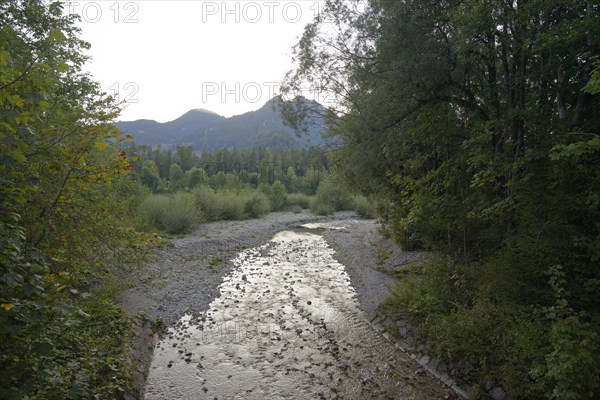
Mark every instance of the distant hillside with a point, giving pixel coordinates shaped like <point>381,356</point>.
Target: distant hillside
<point>205,130</point>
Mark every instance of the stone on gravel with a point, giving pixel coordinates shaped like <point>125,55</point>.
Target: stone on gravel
<point>498,393</point>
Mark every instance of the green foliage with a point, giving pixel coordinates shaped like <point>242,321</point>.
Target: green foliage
<point>364,207</point>
<point>185,157</point>
<point>181,211</point>
<point>206,201</point>
<point>150,176</point>
<point>480,131</point>
<point>277,196</point>
<point>593,85</point>
<point>331,197</point>
<point>382,255</point>
<point>196,177</point>
<point>63,220</point>
<point>173,214</point>
<point>299,170</point>
<point>230,205</point>
<point>68,351</point>
<point>257,205</point>
<point>319,207</point>
<point>176,177</point>
<point>573,346</point>
<point>300,200</point>
<point>222,205</point>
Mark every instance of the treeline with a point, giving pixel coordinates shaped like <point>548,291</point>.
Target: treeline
<point>479,123</point>
<point>300,170</point>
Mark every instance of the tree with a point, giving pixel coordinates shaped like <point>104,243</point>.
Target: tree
<point>196,177</point>
<point>163,160</point>
<point>150,176</point>
<point>176,176</point>
<point>185,157</point>
<point>291,179</point>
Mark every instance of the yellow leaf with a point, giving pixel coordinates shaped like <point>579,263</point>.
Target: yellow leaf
<point>16,100</point>
<point>58,289</point>
<point>7,307</point>
<point>101,145</point>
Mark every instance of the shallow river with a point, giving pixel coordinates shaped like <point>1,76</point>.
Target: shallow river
<point>287,325</point>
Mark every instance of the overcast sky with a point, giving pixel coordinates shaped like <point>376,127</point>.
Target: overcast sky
<point>166,57</point>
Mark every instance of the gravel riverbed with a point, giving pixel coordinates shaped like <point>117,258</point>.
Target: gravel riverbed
<point>183,277</point>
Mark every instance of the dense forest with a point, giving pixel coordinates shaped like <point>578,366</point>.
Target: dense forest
<point>479,123</point>
<point>299,169</point>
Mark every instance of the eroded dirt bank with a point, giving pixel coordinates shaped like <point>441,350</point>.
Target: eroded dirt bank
<point>288,321</point>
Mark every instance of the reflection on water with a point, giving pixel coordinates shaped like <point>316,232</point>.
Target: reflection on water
<point>286,326</point>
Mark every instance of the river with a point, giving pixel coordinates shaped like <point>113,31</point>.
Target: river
<point>285,325</point>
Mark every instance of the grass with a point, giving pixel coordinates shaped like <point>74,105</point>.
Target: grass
<point>382,255</point>
<point>216,262</point>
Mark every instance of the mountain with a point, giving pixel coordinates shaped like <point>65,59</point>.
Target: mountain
<point>205,130</point>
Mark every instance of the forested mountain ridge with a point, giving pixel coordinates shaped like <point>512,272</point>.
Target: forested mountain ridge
<point>205,130</point>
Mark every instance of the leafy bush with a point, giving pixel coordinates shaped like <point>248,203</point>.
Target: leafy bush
<point>363,207</point>
<point>230,206</point>
<point>152,209</point>
<point>257,205</point>
<point>182,214</point>
<point>173,214</point>
<point>219,205</point>
<point>206,203</point>
<point>73,351</point>
<point>321,208</point>
<point>277,196</point>
<point>538,352</point>
<point>299,199</point>
<point>331,197</point>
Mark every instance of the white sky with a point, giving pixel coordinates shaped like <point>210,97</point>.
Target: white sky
<point>167,57</point>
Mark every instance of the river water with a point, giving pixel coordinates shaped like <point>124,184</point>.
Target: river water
<point>286,325</point>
